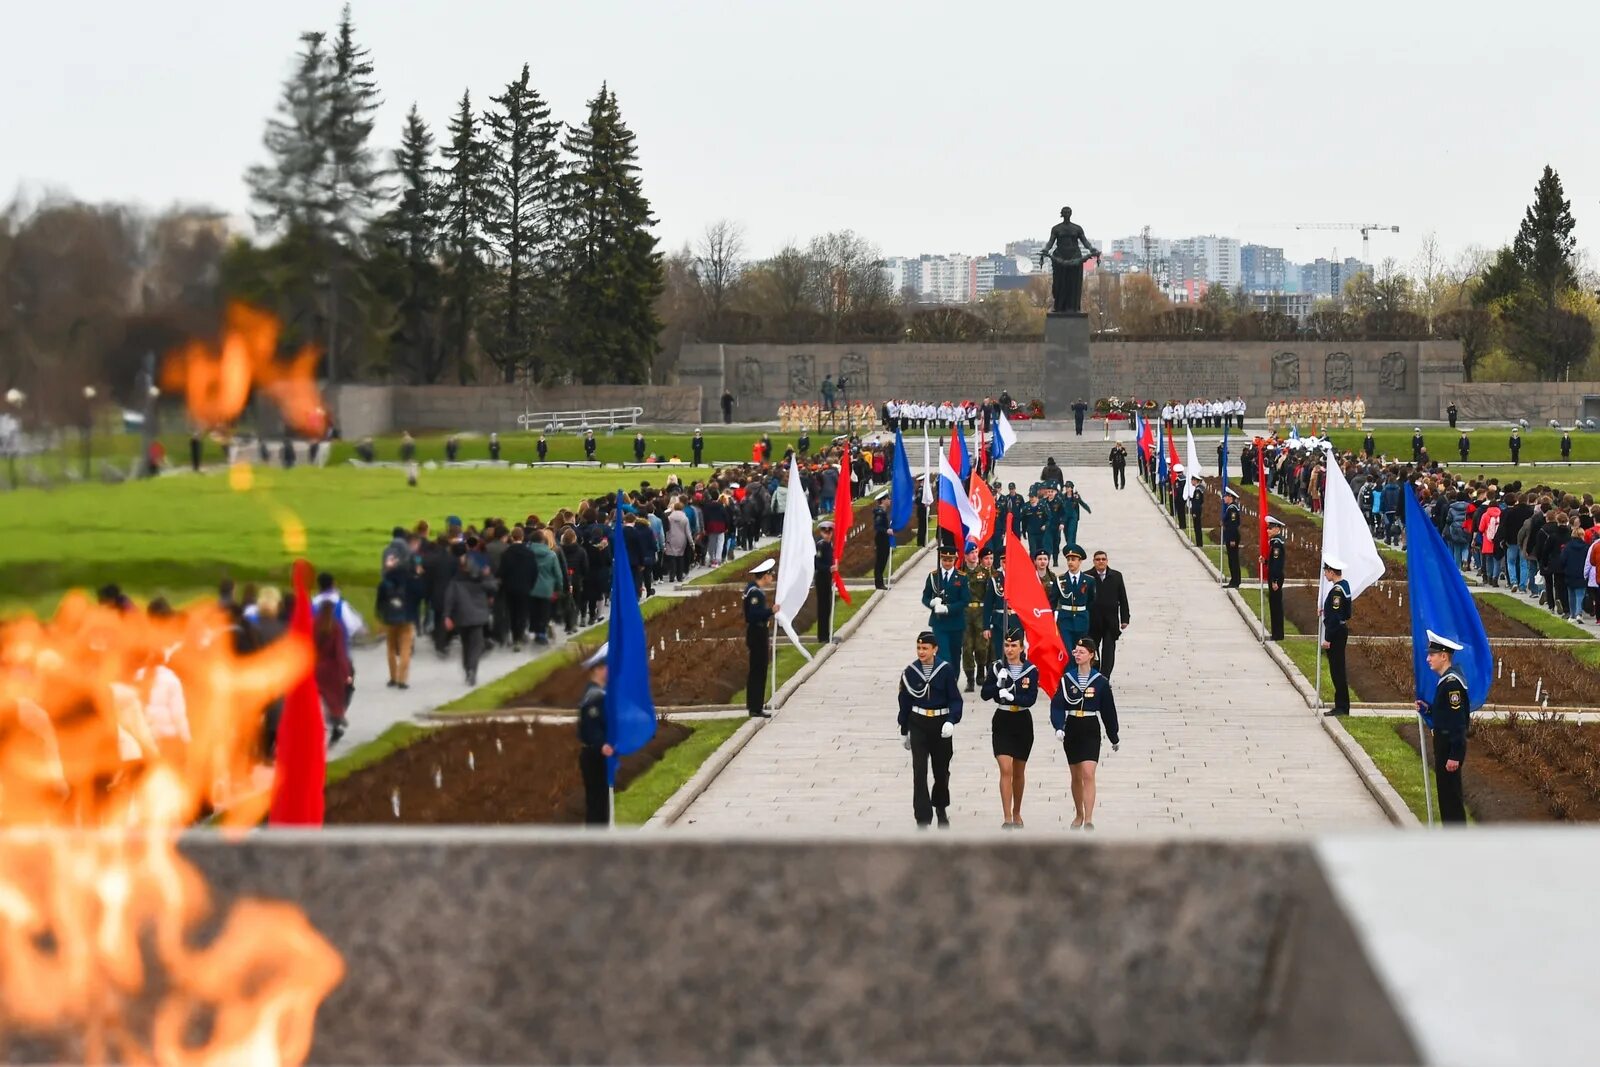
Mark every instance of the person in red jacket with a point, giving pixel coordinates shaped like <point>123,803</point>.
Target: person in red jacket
<point>1488,525</point>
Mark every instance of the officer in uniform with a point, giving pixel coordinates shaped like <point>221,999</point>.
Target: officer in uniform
<point>1231,515</point>
<point>1075,593</point>
<point>593,748</point>
<point>1197,507</point>
<point>1177,504</point>
<point>1055,520</point>
<point>945,595</point>
<point>880,544</point>
<point>822,575</point>
<point>1451,411</point>
<point>1032,526</point>
<point>1447,716</point>
<point>1463,445</point>
<point>452,448</point>
<point>1368,445</point>
<point>1277,553</point>
<point>930,708</point>
<point>1416,444</point>
<point>1119,466</point>
<point>1336,633</point>
<point>974,642</point>
<point>757,633</point>
<point>998,618</point>
<point>804,444</point>
<point>543,448</point>
<point>697,447</point>
<point>1072,506</point>
<point>1516,446</point>
<point>1566,446</point>
<point>494,448</point>
<point>589,445</point>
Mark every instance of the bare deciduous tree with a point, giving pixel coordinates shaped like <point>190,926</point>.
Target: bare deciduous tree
<point>717,265</point>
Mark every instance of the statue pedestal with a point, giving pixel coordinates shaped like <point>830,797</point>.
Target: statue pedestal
<point>1066,363</point>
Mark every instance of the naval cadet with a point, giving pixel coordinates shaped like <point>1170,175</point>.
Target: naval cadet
<point>1231,516</point>
<point>1464,445</point>
<point>1197,507</point>
<point>1075,594</point>
<point>1417,444</point>
<point>930,708</point>
<point>758,634</point>
<point>593,747</point>
<point>945,594</point>
<point>1516,445</point>
<point>880,543</point>
<point>1447,716</point>
<point>1335,614</point>
<point>998,618</point>
<point>697,447</point>
<point>1277,553</point>
<point>543,448</point>
<point>1013,683</point>
<point>1566,446</point>
<point>974,645</point>
<point>1368,445</point>
<point>804,444</point>
<point>1082,703</point>
<point>823,570</point>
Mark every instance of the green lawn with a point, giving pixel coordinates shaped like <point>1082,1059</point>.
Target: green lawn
<point>1575,480</point>
<point>646,793</point>
<point>1304,653</point>
<point>519,446</point>
<point>1264,613</point>
<point>1533,614</point>
<point>1490,442</point>
<point>789,660</point>
<point>179,536</point>
<point>735,571</point>
<point>1397,760</point>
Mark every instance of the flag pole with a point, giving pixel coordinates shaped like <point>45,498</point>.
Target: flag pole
<point>1319,661</point>
<point>1422,743</point>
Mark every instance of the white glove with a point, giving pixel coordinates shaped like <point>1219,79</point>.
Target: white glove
<point>939,608</point>
<point>907,743</point>
<point>1061,735</point>
<point>1007,695</point>
<point>948,730</point>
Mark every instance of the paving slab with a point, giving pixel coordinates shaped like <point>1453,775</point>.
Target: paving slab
<point>1214,737</point>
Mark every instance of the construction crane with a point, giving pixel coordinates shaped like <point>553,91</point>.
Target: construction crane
<point>1365,228</point>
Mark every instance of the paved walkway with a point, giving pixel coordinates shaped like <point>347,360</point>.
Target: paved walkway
<point>1214,738</point>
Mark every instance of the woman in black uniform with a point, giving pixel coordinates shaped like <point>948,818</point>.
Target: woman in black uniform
<point>1076,711</point>
<point>1014,682</point>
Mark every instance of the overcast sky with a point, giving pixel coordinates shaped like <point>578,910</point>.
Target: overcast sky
<point>926,127</point>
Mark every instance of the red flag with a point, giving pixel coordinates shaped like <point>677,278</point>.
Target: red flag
<point>983,503</point>
<point>302,764</point>
<point>1147,439</point>
<point>1172,457</point>
<point>1261,504</point>
<point>949,514</point>
<point>842,515</point>
<point>1025,596</point>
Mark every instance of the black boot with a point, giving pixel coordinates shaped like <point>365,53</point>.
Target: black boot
<point>970,686</point>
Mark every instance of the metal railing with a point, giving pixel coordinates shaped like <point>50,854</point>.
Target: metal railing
<point>607,419</point>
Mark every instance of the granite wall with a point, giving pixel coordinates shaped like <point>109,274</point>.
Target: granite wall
<point>1397,379</point>
<point>519,946</point>
<point>1538,402</point>
<point>369,410</point>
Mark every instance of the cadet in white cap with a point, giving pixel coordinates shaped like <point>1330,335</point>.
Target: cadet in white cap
<point>593,748</point>
<point>1231,516</point>
<point>1277,554</point>
<point>757,633</point>
<point>1448,717</point>
<point>1335,614</point>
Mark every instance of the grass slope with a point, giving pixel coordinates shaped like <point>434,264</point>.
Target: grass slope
<point>645,794</point>
<point>1399,763</point>
<point>1304,653</point>
<point>1534,615</point>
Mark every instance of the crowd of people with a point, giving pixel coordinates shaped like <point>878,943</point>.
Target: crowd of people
<point>1323,412</point>
<point>1202,413</point>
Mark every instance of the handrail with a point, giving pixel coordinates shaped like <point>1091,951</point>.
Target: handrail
<point>607,419</point>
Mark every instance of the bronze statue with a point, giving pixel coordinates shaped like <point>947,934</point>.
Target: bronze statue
<point>1067,250</point>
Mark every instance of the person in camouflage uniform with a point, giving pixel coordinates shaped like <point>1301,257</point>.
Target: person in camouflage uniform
<point>974,646</point>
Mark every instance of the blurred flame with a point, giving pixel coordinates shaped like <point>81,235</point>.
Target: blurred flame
<point>93,891</point>
<point>241,477</point>
<point>216,380</point>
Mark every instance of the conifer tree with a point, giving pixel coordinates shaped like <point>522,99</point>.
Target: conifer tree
<point>612,271</point>
<point>288,190</point>
<point>465,204</point>
<point>408,271</point>
<point>525,185</point>
<point>1544,244</point>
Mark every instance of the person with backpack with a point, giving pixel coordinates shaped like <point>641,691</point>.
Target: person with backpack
<point>400,593</point>
<point>1488,521</point>
<point>1447,715</point>
<point>1574,554</point>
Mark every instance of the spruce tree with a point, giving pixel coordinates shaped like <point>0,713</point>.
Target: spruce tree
<point>406,268</point>
<point>527,171</point>
<point>353,189</point>
<point>1544,244</point>
<point>465,203</point>
<point>288,191</point>
<point>612,270</point>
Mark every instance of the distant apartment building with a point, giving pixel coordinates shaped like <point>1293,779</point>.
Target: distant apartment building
<point>1263,269</point>
<point>1221,256</point>
<point>1027,249</point>
<point>1295,305</point>
<point>1326,279</point>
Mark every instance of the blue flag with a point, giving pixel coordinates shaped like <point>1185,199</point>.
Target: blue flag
<point>630,711</point>
<point>1441,602</point>
<point>966,459</point>
<point>902,488</point>
<point>1161,454</point>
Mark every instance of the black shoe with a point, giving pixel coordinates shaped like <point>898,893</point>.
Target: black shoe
<point>401,685</point>
<point>761,714</point>
<point>472,677</point>
<point>393,683</point>
<point>1331,712</point>
<point>944,820</point>
<point>338,732</point>
<point>971,688</point>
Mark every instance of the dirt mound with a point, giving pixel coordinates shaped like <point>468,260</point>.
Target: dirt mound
<point>1380,612</point>
<point>1526,769</point>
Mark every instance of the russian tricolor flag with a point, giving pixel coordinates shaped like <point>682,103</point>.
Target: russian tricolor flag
<point>956,513</point>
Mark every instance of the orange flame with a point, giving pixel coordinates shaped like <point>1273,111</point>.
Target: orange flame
<point>93,786</point>
<point>216,380</point>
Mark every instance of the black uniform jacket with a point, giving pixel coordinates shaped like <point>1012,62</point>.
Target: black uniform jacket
<point>938,692</point>
<point>1025,688</point>
<point>1091,696</point>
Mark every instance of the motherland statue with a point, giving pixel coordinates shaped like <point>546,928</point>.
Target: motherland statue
<point>1067,250</point>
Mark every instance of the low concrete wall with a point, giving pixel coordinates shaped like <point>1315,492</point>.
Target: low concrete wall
<point>1538,402</point>
<point>515,946</point>
<point>369,410</point>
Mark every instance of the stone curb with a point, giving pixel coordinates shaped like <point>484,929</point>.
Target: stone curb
<point>674,807</point>
<point>1384,793</point>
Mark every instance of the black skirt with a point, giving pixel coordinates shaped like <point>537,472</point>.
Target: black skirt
<point>1083,739</point>
<point>1013,733</point>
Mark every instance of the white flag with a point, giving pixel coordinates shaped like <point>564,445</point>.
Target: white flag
<point>797,550</point>
<point>1191,466</point>
<point>1346,536</point>
<point>927,470</point>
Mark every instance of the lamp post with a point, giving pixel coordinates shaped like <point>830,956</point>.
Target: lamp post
<point>14,398</point>
<point>88,428</point>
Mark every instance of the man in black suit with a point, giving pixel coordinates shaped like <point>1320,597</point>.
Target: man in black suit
<point>1108,616</point>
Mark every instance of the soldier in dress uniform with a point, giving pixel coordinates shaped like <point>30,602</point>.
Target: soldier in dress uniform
<point>1178,507</point>
<point>880,543</point>
<point>1077,710</point>
<point>593,748</point>
<point>494,447</point>
<point>697,446</point>
<point>1447,716</point>
<point>1047,577</point>
<point>1566,446</point>
<point>1516,446</point>
<point>543,448</point>
<point>1055,517</point>
<point>1231,516</point>
<point>945,595</point>
<point>1013,683</point>
<point>1197,507</point>
<point>1368,445</point>
<point>974,644</point>
<point>1075,593</point>
<point>1452,412</point>
<point>1277,553</point>
<point>452,448</point>
<point>930,708</point>
<point>804,444</point>
<point>757,635</point>
<point>1416,444</point>
<point>998,619</point>
<point>589,445</point>
<point>1072,507</point>
<point>1032,525</point>
<point>1464,445</point>
<point>1119,466</point>
<point>822,569</point>
<point>1336,633</point>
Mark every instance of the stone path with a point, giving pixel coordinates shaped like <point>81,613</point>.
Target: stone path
<point>1214,738</point>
